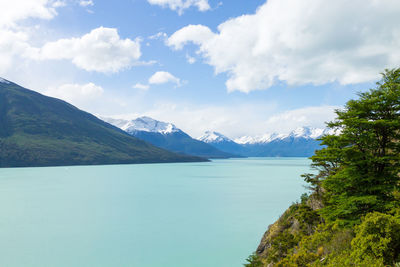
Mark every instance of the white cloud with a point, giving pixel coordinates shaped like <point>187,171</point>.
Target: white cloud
<point>17,10</point>
<point>101,50</point>
<point>12,44</point>
<point>190,59</point>
<point>308,116</point>
<point>161,77</point>
<point>85,3</point>
<point>76,93</point>
<point>197,34</point>
<point>181,5</point>
<point>301,42</point>
<point>14,39</point>
<point>141,86</point>
<point>57,4</point>
<point>145,63</point>
<point>88,96</point>
<point>17,36</point>
<point>159,35</point>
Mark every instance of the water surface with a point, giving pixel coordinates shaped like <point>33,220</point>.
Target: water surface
<point>150,215</point>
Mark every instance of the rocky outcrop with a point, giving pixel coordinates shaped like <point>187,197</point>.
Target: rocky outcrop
<point>287,222</point>
<point>283,236</point>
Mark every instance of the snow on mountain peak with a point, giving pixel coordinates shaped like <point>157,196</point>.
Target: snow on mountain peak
<point>307,133</point>
<point>245,140</point>
<point>145,124</point>
<point>266,138</point>
<point>148,124</point>
<point>301,132</point>
<point>213,137</point>
<point>4,81</point>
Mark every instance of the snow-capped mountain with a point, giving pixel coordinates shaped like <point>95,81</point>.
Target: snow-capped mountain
<point>4,81</point>
<point>213,137</point>
<point>166,135</point>
<point>144,124</point>
<point>221,142</point>
<point>310,132</point>
<point>301,142</point>
<point>266,138</point>
<point>301,132</point>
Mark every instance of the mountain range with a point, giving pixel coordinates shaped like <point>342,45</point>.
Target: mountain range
<point>301,142</point>
<point>167,136</point>
<point>36,130</point>
<point>222,142</point>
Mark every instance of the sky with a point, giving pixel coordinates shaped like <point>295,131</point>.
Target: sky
<point>236,67</point>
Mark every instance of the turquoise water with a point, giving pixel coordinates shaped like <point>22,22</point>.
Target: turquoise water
<point>187,214</point>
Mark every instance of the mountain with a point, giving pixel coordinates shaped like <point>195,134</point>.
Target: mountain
<point>301,142</point>
<point>167,136</point>
<point>143,124</point>
<point>36,130</point>
<point>299,133</point>
<point>222,142</point>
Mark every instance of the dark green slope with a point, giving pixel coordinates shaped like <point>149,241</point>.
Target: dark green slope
<point>37,130</point>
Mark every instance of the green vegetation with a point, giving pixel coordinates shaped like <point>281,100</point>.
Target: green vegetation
<point>36,130</point>
<point>352,215</point>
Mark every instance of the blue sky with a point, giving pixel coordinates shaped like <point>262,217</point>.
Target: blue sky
<point>237,67</point>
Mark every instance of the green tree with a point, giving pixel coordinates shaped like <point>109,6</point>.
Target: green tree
<point>378,237</point>
<point>253,261</point>
<point>326,162</point>
<point>359,167</point>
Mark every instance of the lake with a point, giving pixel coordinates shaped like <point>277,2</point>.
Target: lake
<point>146,215</point>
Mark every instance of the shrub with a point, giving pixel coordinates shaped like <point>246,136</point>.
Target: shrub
<point>378,236</point>
<point>253,261</point>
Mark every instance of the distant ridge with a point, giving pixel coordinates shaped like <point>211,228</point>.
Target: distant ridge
<point>301,132</point>
<point>301,142</point>
<point>222,142</point>
<point>168,136</point>
<point>36,130</point>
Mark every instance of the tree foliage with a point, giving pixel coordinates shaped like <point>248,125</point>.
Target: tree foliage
<point>359,167</point>
<point>378,236</point>
<point>356,220</point>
